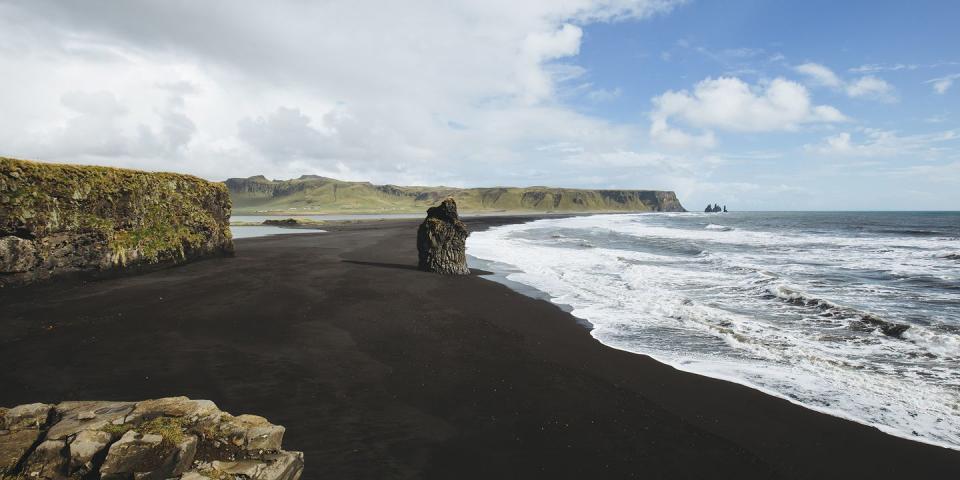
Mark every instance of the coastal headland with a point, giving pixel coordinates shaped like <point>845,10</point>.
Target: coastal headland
<point>379,370</point>
<point>315,194</point>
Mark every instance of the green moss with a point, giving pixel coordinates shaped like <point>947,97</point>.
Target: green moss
<point>132,216</point>
<point>214,474</point>
<point>172,429</point>
<point>117,430</point>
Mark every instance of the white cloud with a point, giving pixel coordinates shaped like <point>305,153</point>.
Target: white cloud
<point>895,67</point>
<point>541,47</point>
<point>728,103</point>
<point>884,67</point>
<point>868,86</point>
<point>665,135</point>
<point>820,74</point>
<point>743,52</point>
<point>887,143</point>
<point>871,87</point>
<point>384,91</point>
<point>946,173</point>
<point>604,95</point>
<point>942,84</point>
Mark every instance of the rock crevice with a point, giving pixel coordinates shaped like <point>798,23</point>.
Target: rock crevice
<point>167,438</point>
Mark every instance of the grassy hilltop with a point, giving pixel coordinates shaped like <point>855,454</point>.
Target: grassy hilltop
<point>314,194</point>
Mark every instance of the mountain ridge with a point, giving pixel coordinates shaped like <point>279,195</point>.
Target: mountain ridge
<point>317,194</point>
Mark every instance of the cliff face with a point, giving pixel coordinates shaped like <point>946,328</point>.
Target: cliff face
<point>59,219</point>
<point>311,193</point>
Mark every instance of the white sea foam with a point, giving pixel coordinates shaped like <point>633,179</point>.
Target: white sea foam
<point>721,228</point>
<point>755,307</point>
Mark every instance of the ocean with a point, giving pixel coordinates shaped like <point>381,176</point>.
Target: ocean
<point>854,314</point>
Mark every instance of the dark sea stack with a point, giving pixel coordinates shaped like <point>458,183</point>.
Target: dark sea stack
<point>168,438</point>
<point>442,240</point>
<point>68,219</point>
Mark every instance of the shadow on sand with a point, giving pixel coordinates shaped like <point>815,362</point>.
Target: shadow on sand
<point>383,265</point>
<point>400,266</point>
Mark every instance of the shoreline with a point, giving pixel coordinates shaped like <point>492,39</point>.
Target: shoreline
<point>500,277</point>
<point>380,370</point>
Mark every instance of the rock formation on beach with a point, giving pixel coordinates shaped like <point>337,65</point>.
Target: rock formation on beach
<point>167,438</point>
<point>312,193</point>
<point>68,219</point>
<point>292,223</point>
<point>285,222</point>
<point>442,240</point>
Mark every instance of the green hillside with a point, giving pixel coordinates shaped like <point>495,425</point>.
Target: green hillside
<point>314,194</point>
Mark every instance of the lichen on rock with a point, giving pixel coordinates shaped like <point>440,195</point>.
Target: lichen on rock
<point>58,219</point>
<point>442,240</point>
<point>165,438</point>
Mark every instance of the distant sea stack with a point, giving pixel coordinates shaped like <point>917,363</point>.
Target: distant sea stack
<point>715,209</point>
<point>315,194</point>
<point>442,240</point>
<point>68,219</point>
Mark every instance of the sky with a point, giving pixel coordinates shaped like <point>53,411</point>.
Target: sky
<point>759,105</point>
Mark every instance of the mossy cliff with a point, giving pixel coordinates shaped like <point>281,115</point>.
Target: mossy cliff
<point>60,219</point>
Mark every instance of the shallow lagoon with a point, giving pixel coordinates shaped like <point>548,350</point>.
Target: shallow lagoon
<point>263,231</point>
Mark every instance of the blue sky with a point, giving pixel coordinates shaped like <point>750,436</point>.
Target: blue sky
<point>754,104</point>
<point>909,46</point>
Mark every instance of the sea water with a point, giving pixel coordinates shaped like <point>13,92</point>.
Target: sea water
<point>266,231</point>
<point>852,314</point>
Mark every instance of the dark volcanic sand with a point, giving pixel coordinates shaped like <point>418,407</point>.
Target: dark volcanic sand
<point>381,371</point>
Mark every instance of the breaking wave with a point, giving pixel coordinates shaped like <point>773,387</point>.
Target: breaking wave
<point>857,325</point>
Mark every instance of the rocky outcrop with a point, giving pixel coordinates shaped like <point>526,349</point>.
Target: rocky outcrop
<point>442,240</point>
<point>292,223</point>
<point>167,438</point>
<point>286,222</point>
<point>63,219</point>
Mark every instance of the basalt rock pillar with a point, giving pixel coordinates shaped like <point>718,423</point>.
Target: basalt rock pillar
<point>442,240</point>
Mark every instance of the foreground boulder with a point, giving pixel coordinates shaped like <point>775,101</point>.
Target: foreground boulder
<point>442,240</point>
<point>68,219</point>
<point>167,438</point>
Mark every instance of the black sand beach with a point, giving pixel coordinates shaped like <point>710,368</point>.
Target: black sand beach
<point>382,371</point>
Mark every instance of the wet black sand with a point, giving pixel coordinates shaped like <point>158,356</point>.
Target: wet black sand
<point>381,371</point>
